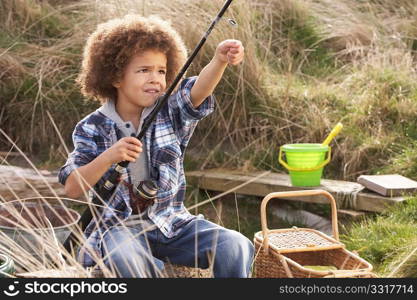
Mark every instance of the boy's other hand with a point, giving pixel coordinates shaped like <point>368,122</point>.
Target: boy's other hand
<point>127,148</point>
<point>230,51</point>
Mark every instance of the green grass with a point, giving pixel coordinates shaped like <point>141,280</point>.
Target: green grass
<point>384,239</point>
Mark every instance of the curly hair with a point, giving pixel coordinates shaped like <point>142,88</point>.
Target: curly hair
<point>114,43</point>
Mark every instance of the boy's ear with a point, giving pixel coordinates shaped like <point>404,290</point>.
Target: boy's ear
<point>116,84</point>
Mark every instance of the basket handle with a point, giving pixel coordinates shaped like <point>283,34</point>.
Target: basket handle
<point>296,194</point>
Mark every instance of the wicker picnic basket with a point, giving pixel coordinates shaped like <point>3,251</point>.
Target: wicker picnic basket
<point>286,252</point>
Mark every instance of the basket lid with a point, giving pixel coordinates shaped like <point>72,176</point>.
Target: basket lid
<point>299,240</point>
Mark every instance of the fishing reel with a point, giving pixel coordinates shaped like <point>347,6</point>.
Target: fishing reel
<point>143,195</point>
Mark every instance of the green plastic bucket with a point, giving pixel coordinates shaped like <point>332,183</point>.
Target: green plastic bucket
<point>305,162</point>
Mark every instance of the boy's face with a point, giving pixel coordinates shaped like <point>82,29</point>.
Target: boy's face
<point>144,79</point>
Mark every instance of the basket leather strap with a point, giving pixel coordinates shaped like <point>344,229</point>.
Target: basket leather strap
<point>284,263</point>
<point>350,274</point>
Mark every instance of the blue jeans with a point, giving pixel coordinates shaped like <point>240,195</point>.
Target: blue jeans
<point>132,252</point>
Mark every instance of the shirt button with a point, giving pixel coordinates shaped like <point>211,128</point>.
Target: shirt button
<point>127,125</point>
<point>132,134</point>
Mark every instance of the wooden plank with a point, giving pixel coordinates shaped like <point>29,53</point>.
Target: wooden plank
<point>7,154</point>
<point>349,195</point>
<point>350,214</point>
<point>17,183</point>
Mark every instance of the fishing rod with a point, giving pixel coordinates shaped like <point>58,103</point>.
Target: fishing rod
<point>107,189</point>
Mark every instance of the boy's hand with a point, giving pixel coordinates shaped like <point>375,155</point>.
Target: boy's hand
<point>230,51</point>
<point>127,148</point>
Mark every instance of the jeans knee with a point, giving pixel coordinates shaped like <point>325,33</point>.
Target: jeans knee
<point>237,247</point>
<point>129,258</point>
<point>137,264</point>
<point>234,256</point>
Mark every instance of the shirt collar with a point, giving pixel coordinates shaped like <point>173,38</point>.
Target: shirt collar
<point>109,110</point>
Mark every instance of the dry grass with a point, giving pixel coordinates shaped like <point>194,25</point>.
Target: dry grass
<point>33,230</point>
<point>308,65</point>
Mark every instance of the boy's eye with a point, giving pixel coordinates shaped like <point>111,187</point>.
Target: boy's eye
<point>142,70</point>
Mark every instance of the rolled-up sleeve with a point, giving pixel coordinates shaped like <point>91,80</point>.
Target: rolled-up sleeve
<point>182,111</point>
<point>185,104</point>
<point>85,150</point>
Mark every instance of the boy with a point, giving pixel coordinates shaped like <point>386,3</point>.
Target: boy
<point>127,64</point>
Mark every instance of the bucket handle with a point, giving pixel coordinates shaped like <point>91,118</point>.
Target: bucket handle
<point>290,194</point>
<point>288,167</point>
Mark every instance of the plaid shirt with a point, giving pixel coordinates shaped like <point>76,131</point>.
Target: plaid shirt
<point>166,141</point>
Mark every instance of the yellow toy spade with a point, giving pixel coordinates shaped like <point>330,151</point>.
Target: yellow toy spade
<point>335,131</point>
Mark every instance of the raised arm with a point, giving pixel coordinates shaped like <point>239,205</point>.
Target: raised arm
<point>227,52</point>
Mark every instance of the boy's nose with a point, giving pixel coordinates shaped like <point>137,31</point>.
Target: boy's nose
<point>153,77</point>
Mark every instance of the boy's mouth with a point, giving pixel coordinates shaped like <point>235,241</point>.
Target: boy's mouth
<point>152,91</point>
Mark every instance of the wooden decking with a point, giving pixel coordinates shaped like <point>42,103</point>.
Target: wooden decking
<point>20,183</point>
<point>349,195</point>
